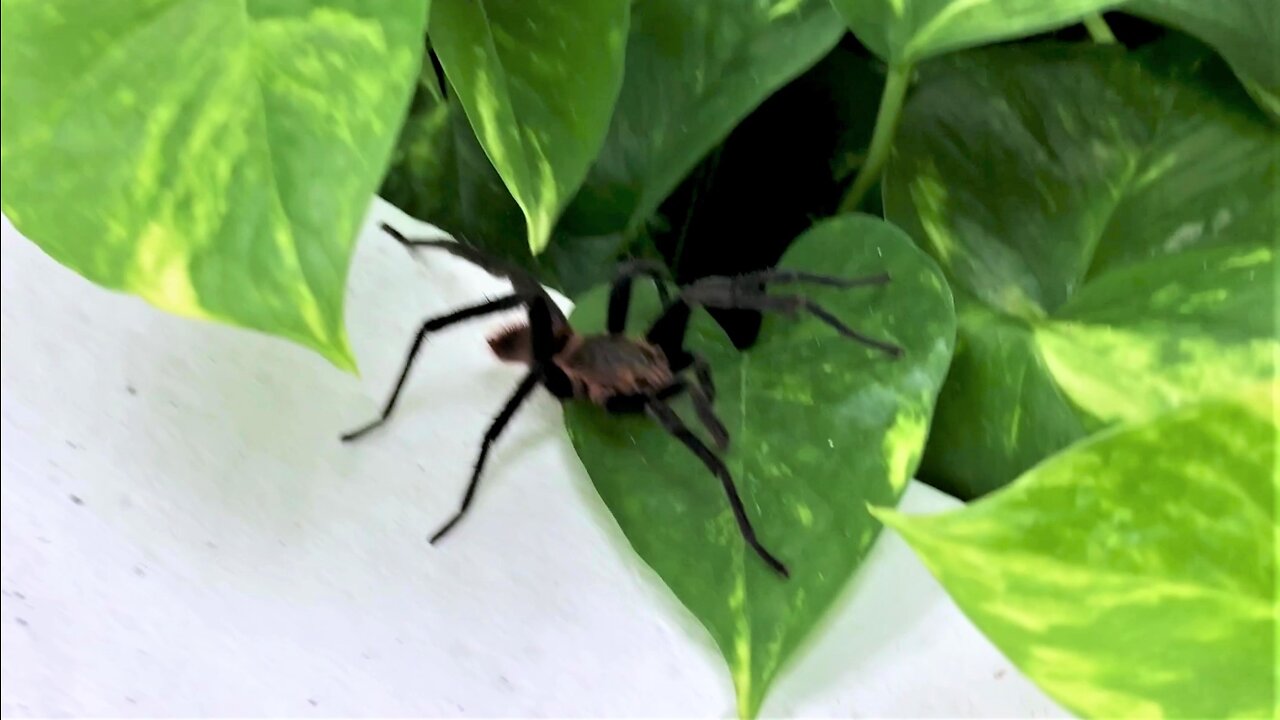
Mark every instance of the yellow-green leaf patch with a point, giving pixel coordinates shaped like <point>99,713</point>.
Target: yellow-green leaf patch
<point>1134,574</point>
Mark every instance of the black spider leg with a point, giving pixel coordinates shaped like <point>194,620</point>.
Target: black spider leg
<point>667,418</point>
<point>499,424</point>
<point>620,293</point>
<point>545,345</point>
<point>503,303</point>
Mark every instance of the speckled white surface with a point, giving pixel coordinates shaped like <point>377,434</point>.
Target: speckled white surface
<point>184,535</point>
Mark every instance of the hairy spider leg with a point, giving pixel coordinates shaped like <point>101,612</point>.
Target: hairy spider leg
<point>746,292</point>
<point>499,424</point>
<point>620,293</point>
<point>439,323</point>
<point>545,345</point>
<point>667,418</point>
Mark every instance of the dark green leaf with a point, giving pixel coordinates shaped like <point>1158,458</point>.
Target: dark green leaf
<point>215,158</point>
<point>1134,574</point>
<point>821,426</point>
<point>903,32</point>
<point>1109,232</point>
<point>538,81</point>
<point>694,69</point>
<point>1245,32</point>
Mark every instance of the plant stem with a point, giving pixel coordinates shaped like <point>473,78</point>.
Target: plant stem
<point>1098,29</point>
<point>895,91</point>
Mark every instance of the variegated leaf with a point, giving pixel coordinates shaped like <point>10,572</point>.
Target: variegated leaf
<point>538,82</point>
<point>1108,225</point>
<point>1132,575</point>
<point>820,427</point>
<point>214,158</point>
<point>903,32</point>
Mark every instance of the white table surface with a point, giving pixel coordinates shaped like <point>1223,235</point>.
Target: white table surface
<point>183,534</point>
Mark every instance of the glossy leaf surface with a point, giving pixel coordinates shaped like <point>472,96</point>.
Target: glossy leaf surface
<point>538,82</point>
<point>1245,32</point>
<point>903,32</point>
<point>214,158</point>
<point>1109,230</point>
<point>1132,575</point>
<point>820,426</point>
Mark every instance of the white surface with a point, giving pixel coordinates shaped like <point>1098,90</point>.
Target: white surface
<point>184,535</point>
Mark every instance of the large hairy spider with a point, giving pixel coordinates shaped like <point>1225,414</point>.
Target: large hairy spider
<point>619,373</point>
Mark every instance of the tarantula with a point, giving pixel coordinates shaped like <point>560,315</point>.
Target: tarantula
<point>622,374</point>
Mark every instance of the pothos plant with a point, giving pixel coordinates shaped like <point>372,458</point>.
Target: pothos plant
<point>1080,221</point>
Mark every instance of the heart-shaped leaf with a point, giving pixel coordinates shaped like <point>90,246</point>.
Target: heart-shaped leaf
<point>214,158</point>
<point>903,33</point>
<point>820,426</point>
<point>1134,574</point>
<point>1246,32</point>
<point>1109,232</point>
<point>694,69</point>
<point>538,81</point>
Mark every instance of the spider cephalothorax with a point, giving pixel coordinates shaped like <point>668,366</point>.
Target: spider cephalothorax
<point>620,373</point>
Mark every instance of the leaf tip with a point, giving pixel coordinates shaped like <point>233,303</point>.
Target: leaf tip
<point>886,515</point>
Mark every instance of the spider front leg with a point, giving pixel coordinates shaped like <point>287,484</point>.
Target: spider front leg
<point>428,327</point>
<point>544,345</point>
<point>499,424</point>
<point>667,418</point>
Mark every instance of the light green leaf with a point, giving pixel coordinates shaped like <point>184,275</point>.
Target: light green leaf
<point>538,82</point>
<point>214,158</point>
<point>904,32</point>
<point>821,426</point>
<point>694,69</point>
<point>440,173</point>
<point>1134,574</point>
<point>1245,32</point>
<point>1109,230</point>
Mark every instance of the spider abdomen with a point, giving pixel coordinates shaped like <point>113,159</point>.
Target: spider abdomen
<point>602,367</point>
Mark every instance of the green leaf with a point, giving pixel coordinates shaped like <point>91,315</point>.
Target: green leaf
<point>1109,232</point>
<point>1134,574</point>
<point>904,32</point>
<point>1245,32</point>
<point>694,69</point>
<point>439,173</point>
<point>538,82</point>
<point>214,158</point>
<point>821,426</point>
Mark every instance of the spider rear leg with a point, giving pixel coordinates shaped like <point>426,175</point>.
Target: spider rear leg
<point>702,405</point>
<point>747,293</point>
<point>780,276</point>
<point>667,418</point>
<point>439,323</point>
